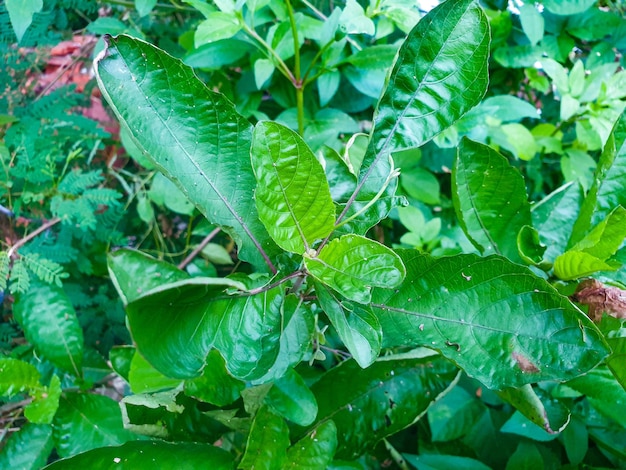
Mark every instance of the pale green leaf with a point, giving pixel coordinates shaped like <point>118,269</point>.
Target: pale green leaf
<point>17,377</point>
<point>215,385</point>
<point>292,194</point>
<point>218,25</point>
<point>263,70</point>
<point>45,403</point>
<point>21,14</point>
<point>497,320</point>
<point>520,141</point>
<point>327,86</point>
<point>577,264</point>
<point>489,198</point>
<point>144,7</point>
<point>292,399</point>
<point>532,23</point>
<point>192,134</point>
<point>443,462</point>
<point>568,7</point>
<point>143,378</point>
<point>352,265</point>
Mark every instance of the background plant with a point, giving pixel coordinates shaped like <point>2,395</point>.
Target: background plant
<point>525,334</point>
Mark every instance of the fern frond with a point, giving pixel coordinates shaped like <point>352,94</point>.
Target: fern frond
<point>46,270</point>
<point>20,278</point>
<point>77,181</point>
<point>4,269</point>
<point>102,196</point>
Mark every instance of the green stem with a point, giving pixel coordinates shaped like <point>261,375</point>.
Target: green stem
<point>297,83</point>
<point>267,49</point>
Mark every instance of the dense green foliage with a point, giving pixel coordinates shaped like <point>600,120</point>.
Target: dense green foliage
<point>330,236</point>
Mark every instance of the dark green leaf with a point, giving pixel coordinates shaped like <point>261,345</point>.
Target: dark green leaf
<point>576,441</point>
<point>427,91</point>
<point>374,57</point>
<point>489,198</point>
<point>27,449</point>
<point>215,385</point>
<point>370,404</point>
<point>84,422</point>
<point>314,451</point>
<point>526,456</point>
<point>290,398</point>
<point>454,415</point>
<point>520,425</point>
<point>352,265</point>
<point>142,455</point>
<point>193,135</point>
<point>357,327</point>
<point>49,321</point>
<point>530,248</point>
<point>617,361</point>
<point>121,357</point>
<point>444,462</point>
<point>292,194</point>
<point>267,442</point>
<point>499,322</point>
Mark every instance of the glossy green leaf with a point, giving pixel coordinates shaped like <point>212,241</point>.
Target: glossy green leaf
<point>352,265</point>
<point>218,25</point>
<point>314,451</point>
<point>85,421</point>
<point>121,358</point>
<point>192,134</point>
<point>292,399</point>
<point>370,404</point>
<point>17,377</point>
<point>215,385</point>
<point>554,218</point>
<point>45,402</point>
<point>21,14</point>
<point>142,455</point>
<point>489,198</point>
<point>444,462</point>
<point>551,416</point>
<point>357,327</point>
<point>532,23</point>
<point>176,342</point>
<point>427,90</point>
<point>576,441</point>
<point>520,425</point>
<point>292,194</point>
<point>143,378</point>
<point>134,273</point>
<point>28,448</point>
<point>267,442</point>
<point>568,7</point>
<point>497,320</point>
<point>530,248</point>
<point>49,321</point>
<point>379,56</point>
<point>608,188</point>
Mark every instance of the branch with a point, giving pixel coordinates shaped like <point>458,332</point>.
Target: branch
<point>32,235</point>
<point>183,264</point>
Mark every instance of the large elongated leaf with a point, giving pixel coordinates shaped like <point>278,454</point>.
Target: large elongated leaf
<point>86,421</point>
<point>609,185</point>
<point>352,265</point>
<point>439,75</point>
<point>370,404</point>
<point>292,194</point>
<point>176,326</point>
<point>49,321</point>
<point>192,134</point>
<point>29,448</point>
<point>267,442</point>
<point>490,199</point>
<point>497,320</point>
<point>142,455</point>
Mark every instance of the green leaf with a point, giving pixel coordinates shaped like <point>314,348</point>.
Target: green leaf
<point>144,7</point>
<point>84,422</point>
<point>352,265</point>
<point>49,321</point>
<point>576,441</point>
<point>290,398</point>
<point>134,273</point>
<point>426,92</point>
<point>520,425</point>
<point>354,21</point>
<point>532,23</point>
<point>530,248</point>
<point>165,193</point>
<point>292,194</point>
<point>267,442</point>
<point>369,404</point>
<point>45,403</point>
<point>526,456</point>
<point>263,70</point>
<point>21,14</point>
<point>489,198</point>
<point>142,455</point>
<point>215,385</point>
<point>454,415</point>
<point>443,462</point>
<point>143,378</point>
<point>378,56</point>
<point>519,141</point>
<point>577,264</point>
<point>177,342</point>
<point>193,135</point>
<point>551,417</point>
<point>217,26</point>
<point>554,218</point>
<point>568,7</point>
<point>607,191</point>
<point>28,448</point>
<point>121,358</point>
<point>357,327</point>
<point>499,322</point>
<point>327,86</point>
<point>314,451</point>
<point>17,377</point>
